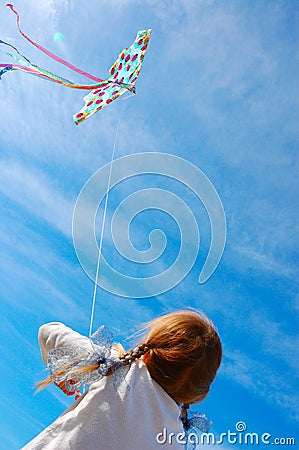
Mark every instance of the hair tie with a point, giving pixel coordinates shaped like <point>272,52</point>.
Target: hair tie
<point>193,422</point>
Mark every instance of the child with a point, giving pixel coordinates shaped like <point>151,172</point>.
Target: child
<point>174,365</point>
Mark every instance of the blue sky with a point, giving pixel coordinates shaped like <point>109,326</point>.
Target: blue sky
<point>218,88</point>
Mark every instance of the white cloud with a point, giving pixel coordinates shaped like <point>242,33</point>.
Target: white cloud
<point>264,262</point>
<point>216,87</point>
<point>258,378</point>
<point>36,193</point>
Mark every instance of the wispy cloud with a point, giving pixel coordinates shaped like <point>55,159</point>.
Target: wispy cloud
<point>259,379</point>
<point>34,191</point>
<point>217,87</point>
<point>265,262</point>
<point>23,415</point>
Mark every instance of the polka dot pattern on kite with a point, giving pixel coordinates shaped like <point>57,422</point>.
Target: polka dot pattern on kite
<point>124,72</point>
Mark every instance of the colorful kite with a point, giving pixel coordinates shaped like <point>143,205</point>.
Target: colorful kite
<point>122,75</point>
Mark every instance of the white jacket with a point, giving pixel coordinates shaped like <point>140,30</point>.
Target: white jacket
<point>139,418</point>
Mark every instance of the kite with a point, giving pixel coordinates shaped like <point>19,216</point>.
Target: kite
<point>122,75</point>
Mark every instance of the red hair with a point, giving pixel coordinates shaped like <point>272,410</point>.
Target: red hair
<point>184,354</point>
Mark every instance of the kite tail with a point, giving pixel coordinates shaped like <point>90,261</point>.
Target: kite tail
<point>48,53</point>
<point>26,65</point>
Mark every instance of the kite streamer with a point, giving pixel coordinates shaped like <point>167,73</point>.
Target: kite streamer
<point>44,50</point>
<point>122,75</point>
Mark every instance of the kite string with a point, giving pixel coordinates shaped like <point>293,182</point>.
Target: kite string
<point>103,225</point>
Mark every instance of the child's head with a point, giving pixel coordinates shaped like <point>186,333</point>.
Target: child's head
<point>185,354</point>
<point>181,350</point>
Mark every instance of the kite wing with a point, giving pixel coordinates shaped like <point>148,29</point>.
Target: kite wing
<point>123,75</point>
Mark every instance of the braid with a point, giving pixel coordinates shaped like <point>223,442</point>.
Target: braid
<point>126,359</point>
<point>134,354</point>
<point>184,414</point>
